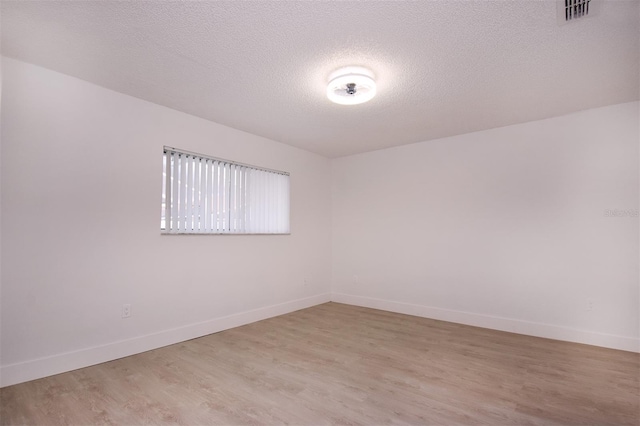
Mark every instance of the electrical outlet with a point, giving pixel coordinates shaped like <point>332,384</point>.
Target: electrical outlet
<point>589,306</point>
<point>126,311</point>
<point>356,279</point>
<point>306,282</point>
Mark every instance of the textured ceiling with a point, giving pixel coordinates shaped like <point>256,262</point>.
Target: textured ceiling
<point>443,67</point>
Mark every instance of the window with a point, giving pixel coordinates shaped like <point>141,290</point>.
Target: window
<point>206,195</point>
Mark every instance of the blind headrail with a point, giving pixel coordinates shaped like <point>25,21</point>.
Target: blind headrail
<point>171,150</point>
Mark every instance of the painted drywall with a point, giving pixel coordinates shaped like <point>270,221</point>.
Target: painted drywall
<point>531,228</point>
<point>506,228</point>
<point>81,180</point>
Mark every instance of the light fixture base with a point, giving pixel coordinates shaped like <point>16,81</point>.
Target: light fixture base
<point>351,86</point>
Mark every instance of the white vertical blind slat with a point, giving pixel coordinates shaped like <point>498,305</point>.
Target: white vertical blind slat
<point>175,172</point>
<point>189,194</point>
<point>183,193</point>
<point>271,201</point>
<point>224,195</point>
<point>167,192</point>
<point>263,202</point>
<point>196,195</point>
<point>287,204</point>
<point>201,194</point>
<point>216,197</point>
<point>243,199</point>
<point>247,211</point>
<point>240,200</point>
<point>219,199</point>
<point>232,198</point>
<point>206,220</point>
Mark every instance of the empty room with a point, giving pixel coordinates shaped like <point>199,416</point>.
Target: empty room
<point>319,212</point>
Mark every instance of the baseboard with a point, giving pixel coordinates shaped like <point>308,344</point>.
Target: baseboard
<point>496,323</point>
<point>34,369</point>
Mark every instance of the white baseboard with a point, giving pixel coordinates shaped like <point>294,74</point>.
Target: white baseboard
<point>496,323</point>
<point>34,369</point>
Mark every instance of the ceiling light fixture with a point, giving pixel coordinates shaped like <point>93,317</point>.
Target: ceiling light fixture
<point>351,86</point>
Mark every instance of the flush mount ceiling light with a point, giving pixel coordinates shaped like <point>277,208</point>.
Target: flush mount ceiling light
<point>351,86</point>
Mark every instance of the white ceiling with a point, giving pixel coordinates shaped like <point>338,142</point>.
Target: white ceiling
<point>442,67</point>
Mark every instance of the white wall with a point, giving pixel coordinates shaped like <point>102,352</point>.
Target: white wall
<point>503,228</point>
<point>81,189</point>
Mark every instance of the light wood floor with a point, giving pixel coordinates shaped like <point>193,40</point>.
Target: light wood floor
<point>339,364</point>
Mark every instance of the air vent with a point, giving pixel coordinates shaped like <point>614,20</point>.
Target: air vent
<point>572,10</point>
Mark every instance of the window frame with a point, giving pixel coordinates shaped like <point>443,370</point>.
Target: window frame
<point>225,213</point>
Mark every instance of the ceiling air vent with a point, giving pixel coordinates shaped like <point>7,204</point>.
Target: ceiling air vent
<point>572,10</point>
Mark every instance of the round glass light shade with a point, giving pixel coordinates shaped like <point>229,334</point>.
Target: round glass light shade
<point>351,86</point>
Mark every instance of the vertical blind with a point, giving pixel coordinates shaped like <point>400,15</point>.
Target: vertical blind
<point>206,195</point>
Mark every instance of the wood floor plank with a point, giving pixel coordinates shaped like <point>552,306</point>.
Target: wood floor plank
<point>336,364</point>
